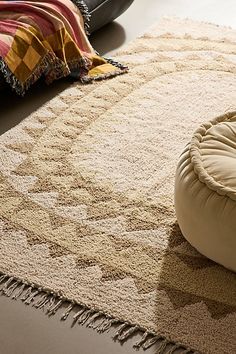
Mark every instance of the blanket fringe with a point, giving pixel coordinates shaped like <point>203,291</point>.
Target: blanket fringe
<point>50,303</point>
<point>54,69</point>
<point>19,87</point>
<point>120,69</point>
<point>84,12</point>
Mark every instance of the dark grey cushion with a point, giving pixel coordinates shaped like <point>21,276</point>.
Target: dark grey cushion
<point>92,4</point>
<point>105,11</point>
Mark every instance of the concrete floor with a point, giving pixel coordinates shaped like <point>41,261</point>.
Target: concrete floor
<point>24,330</point>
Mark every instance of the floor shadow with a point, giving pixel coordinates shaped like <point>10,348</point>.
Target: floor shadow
<point>15,108</point>
<point>108,38</point>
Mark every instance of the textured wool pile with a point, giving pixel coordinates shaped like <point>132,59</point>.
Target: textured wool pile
<point>86,197</point>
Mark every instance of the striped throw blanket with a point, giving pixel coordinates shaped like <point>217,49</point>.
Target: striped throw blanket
<point>48,37</point>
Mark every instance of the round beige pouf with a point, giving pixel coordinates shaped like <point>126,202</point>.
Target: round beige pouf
<point>205,190</point>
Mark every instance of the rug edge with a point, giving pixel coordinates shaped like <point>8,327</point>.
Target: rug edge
<point>50,302</point>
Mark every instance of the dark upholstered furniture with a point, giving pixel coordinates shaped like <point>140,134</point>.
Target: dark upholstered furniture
<point>105,11</point>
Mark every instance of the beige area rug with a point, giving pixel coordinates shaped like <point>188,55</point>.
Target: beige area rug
<point>87,196</point>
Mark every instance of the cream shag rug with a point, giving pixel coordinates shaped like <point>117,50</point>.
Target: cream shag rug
<point>87,196</point>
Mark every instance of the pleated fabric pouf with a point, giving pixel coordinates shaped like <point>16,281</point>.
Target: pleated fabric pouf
<point>205,190</point>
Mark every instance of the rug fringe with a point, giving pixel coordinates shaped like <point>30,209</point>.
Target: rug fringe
<point>67,312</point>
<point>50,302</point>
<point>19,292</point>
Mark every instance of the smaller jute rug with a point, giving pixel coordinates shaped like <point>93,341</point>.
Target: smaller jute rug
<point>86,197</point>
